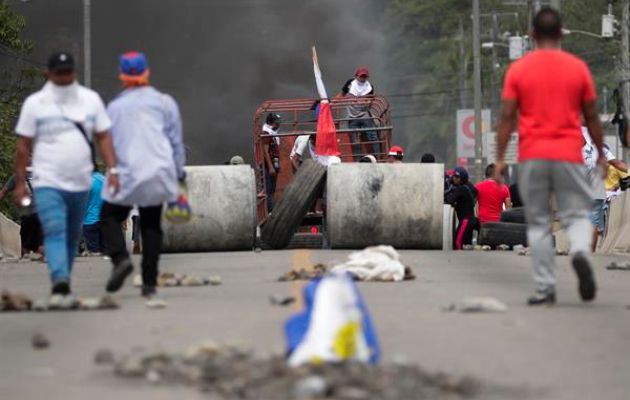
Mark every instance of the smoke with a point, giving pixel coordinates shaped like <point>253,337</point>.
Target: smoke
<point>220,59</point>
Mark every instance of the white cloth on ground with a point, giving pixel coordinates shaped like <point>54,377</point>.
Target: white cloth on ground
<point>378,263</point>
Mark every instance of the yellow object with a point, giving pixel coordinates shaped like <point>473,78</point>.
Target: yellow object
<point>613,178</point>
<point>345,343</point>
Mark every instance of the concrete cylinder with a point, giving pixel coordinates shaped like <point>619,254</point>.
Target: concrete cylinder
<point>395,204</point>
<point>223,201</point>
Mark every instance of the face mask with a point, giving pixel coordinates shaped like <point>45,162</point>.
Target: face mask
<point>65,94</point>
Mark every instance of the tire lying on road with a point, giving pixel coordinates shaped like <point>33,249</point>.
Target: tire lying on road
<point>515,215</point>
<point>496,233</point>
<point>293,205</point>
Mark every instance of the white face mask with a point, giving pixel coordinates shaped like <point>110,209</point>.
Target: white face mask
<point>66,94</point>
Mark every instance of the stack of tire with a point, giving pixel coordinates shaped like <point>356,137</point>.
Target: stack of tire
<point>511,230</point>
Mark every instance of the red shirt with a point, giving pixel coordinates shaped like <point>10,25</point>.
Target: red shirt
<point>550,86</point>
<point>491,197</point>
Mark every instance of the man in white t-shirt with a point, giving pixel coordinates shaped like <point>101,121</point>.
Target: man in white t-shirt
<point>589,152</point>
<point>58,123</point>
<point>299,147</point>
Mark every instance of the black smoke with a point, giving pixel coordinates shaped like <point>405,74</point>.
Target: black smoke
<point>219,58</point>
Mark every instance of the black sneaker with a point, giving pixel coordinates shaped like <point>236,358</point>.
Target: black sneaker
<point>542,299</point>
<point>119,273</point>
<point>148,291</point>
<point>61,287</point>
<point>584,272</point>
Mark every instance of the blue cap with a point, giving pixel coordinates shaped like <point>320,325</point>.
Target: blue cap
<point>133,63</point>
<point>461,172</point>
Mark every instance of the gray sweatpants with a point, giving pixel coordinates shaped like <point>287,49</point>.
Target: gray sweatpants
<point>538,179</point>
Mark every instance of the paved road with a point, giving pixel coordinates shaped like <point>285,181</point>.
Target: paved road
<point>570,351</point>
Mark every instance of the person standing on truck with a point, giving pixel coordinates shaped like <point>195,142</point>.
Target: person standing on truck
<point>359,114</point>
<point>550,89</point>
<point>492,196</point>
<point>297,152</point>
<point>271,156</point>
<point>462,196</point>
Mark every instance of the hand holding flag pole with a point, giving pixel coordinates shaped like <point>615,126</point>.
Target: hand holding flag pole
<point>326,132</point>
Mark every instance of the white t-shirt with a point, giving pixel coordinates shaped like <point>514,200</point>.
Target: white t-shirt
<point>61,156</point>
<point>589,152</point>
<point>299,146</point>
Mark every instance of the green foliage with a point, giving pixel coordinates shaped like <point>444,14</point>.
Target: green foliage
<point>426,60</point>
<point>15,81</point>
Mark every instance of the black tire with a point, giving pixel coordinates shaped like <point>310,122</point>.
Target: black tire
<point>294,204</point>
<point>515,215</point>
<point>496,233</point>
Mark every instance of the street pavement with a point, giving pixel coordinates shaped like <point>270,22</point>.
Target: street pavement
<point>569,351</point>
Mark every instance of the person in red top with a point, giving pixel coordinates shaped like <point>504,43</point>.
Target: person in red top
<point>551,90</point>
<point>491,197</point>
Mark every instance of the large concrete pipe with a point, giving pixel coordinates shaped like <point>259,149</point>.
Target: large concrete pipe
<point>223,200</point>
<point>396,204</point>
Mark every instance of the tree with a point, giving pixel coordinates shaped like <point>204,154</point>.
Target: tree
<point>15,80</point>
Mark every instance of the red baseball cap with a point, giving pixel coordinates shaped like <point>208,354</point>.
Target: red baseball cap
<point>396,151</point>
<point>362,71</point>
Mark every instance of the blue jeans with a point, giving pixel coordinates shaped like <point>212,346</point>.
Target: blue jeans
<point>61,214</point>
<point>371,136</point>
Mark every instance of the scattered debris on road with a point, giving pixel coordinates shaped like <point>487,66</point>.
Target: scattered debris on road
<point>468,247</point>
<point>478,305</point>
<point>613,266</point>
<point>155,303</point>
<point>171,279</point>
<point>19,302</point>
<point>281,300</point>
<point>104,357</point>
<point>227,372</point>
<point>503,247</point>
<point>214,280</point>
<point>14,301</point>
<point>304,274</point>
<point>521,250</point>
<point>39,341</point>
<point>373,264</point>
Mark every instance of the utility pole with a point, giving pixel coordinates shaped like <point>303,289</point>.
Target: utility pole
<point>87,45</point>
<point>463,86</point>
<point>494,102</point>
<point>624,68</point>
<point>477,78</point>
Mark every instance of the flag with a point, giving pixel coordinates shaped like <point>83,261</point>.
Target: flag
<point>335,325</point>
<point>326,132</point>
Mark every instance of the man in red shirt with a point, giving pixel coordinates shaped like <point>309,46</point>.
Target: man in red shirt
<point>491,197</point>
<point>551,89</point>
